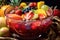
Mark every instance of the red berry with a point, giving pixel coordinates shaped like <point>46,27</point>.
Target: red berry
<point>19,12</point>
<point>33,4</point>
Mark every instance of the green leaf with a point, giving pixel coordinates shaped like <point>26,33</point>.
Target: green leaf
<point>15,2</point>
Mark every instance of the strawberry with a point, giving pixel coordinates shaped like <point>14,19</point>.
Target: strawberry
<point>19,12</point>
<point>33,4</point>
<point>35,24</point>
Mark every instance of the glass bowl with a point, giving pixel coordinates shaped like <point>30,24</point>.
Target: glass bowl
<point>30,29</point>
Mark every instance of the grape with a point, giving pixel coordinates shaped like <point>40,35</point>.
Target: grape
<point>45,7</point>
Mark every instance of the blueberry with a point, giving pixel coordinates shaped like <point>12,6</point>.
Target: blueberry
<point>29,8</point>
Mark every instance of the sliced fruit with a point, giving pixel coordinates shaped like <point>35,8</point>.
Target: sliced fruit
<point>8,9</point>
<point>44,7</point>
<point>41,13</point>
<point>1,13</point>
<point>14,16</point>
<point>33,4</point>
<point>19,12</point>
<point>5,9</point>
<point>2,21</point>
<point>39,4</point>
<point>35,16</point>
<point>23,17</point>
<point>23,5</point>
<point>29,15</point>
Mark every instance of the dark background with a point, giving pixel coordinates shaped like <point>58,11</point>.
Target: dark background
<point>48,2</point>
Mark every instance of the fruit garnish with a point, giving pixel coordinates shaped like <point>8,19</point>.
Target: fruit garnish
<point>3,9</point>
<point>2,21</point>
<point>39,4</point>
<point>23,16</point>
<point>44,7</point>
<point>23,5</point>
<point>41,13</point>
<point>29,15</point>
<point>14,16</point>
<point>33,4</point>
<point>18,11</point>
<point>35,16</point>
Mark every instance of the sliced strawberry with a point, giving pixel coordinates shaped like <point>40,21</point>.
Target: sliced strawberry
<point>19,12</point>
